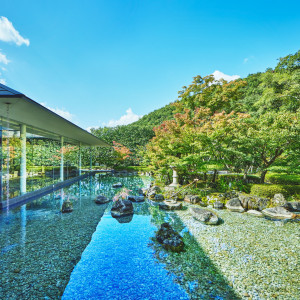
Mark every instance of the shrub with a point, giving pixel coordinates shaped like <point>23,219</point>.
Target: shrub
<point>268,191</point>
<point>283,179</point>
<point>238,177</point>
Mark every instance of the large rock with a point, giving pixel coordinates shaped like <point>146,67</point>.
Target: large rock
<point>124,219</point>
<point>218,205</point>
<point>278,212</point>
<point>278,200</point>
<point>253,202</point>
<point>101,199</point>
<point>229,194</point>
<point>67,206</point>
<point>204,216</point>
<point>234,205</point>
<point>136,198</point>
<point>255,213</point>
<point>193,199</point>
<point>169,238</point>
<point>292,206</point>
<point>117,185</point>
<point>170,205</point>
<point>154,189</point>
<point>121,208</point>
<point>159,197</point>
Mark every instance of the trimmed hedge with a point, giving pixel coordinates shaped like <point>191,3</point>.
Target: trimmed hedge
<point>269,190</point>
<point>283,179</point>
<point>238,177</point>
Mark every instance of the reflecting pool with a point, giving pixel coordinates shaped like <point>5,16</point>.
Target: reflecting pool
<point>87,254</point>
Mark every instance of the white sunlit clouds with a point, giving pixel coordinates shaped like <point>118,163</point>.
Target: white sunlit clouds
<point>126,119</point>
<point>219,75</point>
<point>62,112</point>
<point>9,34</point>
<point>3,59</point>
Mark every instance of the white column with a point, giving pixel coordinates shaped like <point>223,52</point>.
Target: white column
<point>79,164</point>
<point>61,159</point>
<point>90,159</point>
<point>23,159</point>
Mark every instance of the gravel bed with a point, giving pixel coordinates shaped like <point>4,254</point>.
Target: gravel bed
<point>258,257</point>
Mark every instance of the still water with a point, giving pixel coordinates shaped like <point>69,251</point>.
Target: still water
<point>87,254</point>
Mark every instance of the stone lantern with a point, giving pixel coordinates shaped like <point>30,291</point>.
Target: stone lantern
<point>175,178</point>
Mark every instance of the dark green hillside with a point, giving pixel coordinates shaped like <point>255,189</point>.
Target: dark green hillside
<point>156,117</point>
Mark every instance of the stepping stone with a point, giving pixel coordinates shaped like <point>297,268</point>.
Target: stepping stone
<point>170,205</point>
<point>204,216</point>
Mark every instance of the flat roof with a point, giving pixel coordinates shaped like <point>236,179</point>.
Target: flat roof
<point>16,109</point>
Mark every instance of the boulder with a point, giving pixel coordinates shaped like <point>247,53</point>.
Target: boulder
<point>170,205</point>
<point>292,206</point>
<point>159,197</point>
<point>253,202</point>
<point>117,185</point>
<point>124,219</point>
<point>278,200</point>
<point>67,206</point>
<point>101,199</point>
<point>169,238</point>
<point>278,212</point>
<point>234,205</point>
<point>156,189</point>
<point>193,199</point>
<point>218,205</point>
<point>229,194</point>
<point>255,213</point>
<point>121,207</point>
<point>136,198</point>
<point>204,216</point>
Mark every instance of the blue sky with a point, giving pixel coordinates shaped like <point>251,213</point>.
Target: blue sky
<point>97,62</point>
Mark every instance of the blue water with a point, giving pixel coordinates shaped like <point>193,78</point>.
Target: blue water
<point>118,264</point>
<point>87,254</point>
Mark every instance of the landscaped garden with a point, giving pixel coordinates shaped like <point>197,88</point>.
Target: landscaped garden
<point>213,214</point>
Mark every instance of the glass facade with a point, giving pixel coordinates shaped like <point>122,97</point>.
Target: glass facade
<point>43,158</point>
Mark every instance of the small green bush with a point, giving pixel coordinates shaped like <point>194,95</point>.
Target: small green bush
<point>238,177</point>
<point>283,179</point>
<point>268,191</point>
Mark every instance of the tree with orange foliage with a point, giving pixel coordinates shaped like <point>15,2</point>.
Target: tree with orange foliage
<point>122,151</point>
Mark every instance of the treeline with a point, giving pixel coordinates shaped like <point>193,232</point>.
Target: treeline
<point>243,126</point>
<point>247,125</point>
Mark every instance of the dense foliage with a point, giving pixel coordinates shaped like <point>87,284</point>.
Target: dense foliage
<point>242,125</point>
<point>156,117</point>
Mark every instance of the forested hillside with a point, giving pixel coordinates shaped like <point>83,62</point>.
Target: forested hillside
<point>243,125</point>
<point>156,117</point>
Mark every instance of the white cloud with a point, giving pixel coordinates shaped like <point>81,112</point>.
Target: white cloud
<point>9,34</point>
<point>126,119</point>
<point>63,113</point>
<point>246,60</point>
<point>3,59</point>
<point>90,128</point>
<point>219,75</point>
<point>2,81</point>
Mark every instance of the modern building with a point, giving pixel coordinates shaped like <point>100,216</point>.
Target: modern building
<point>38,147</point>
